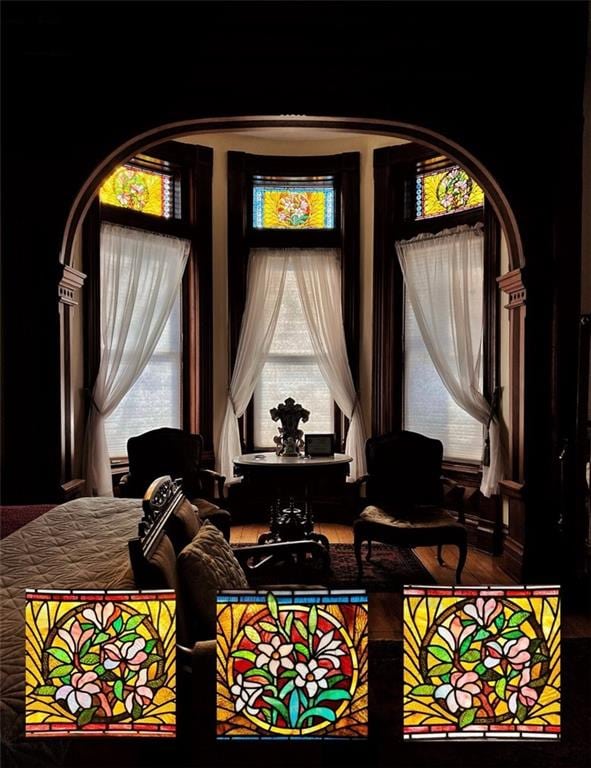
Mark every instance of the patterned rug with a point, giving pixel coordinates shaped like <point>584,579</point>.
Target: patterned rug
<point>389,569</point>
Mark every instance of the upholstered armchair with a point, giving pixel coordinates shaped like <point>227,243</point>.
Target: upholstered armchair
<point>168,451</point>
<point>408,503</point>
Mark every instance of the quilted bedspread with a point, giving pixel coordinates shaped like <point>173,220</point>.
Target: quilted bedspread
<point>77,545</point>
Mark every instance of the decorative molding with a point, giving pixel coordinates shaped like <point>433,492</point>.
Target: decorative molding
<point>70,282</point>
<point>513,285</point>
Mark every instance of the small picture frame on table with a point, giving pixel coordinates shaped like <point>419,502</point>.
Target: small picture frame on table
<point>319,444</point>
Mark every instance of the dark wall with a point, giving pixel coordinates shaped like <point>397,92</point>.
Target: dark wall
<point>504,80</point>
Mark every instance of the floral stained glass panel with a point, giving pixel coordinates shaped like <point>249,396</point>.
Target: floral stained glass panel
<point>450,190</point>
<point>292,665</point>
<point>140,190</point>
<point>100,663</point>
<point>293,206</point>
<point>482,663</point>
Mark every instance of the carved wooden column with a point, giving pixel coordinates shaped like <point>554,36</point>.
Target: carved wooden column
<point>70,282</point>
<point>513,489</point>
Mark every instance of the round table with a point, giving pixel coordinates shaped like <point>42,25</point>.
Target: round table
<point>288,482</point>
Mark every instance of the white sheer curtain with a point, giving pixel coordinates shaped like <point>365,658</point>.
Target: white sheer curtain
<point>318,277</point>
<point>265,282</point>
<point>141,274</point>
<point>443,280</point>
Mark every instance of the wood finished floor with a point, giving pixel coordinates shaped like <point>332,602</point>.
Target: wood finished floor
<point>386,609</point>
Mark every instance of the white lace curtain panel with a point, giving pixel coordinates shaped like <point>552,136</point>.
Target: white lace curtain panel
<point>443,279</point>
<point>317,274</point>
<point>141,274</point>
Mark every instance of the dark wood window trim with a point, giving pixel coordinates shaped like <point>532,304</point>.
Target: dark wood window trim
<point>394,174</point>
<point>194,165</point>
<point>241,238</point>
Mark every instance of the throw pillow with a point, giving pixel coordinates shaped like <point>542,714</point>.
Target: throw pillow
<point>204,566</point>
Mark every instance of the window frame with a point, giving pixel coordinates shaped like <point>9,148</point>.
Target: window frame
<point>242,167</point>
<point>193,166</point>
<point>395,171</point>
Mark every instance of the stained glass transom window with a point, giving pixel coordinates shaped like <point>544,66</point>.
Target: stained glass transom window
<point>444,191</point>
<point>292,665</point>
<point>291,203</point>
<point>139,189</point>
<point>100,664</point>
<point>481,663</point>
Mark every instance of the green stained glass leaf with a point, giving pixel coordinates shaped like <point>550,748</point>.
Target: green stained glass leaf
<point>272,605</point>
<point>472,655</point>
<point>134,621</point>
<point>248,655</point>
<point>258,672</point>
<point>303,649</point>
<point>423,690</point>
<point>500,621</point>
<point>465,645</point>
<point>267,626</point>
<point>440,653</point>
<point>313,619</point>
<point>322,712</point>
<point>278,706</point>
<point>252,634</point>
<point>518,618</point>
<point>482,634</point>
<point>60,654</point>
<point>467,717</point>
<point>294,707</point>
<point>500,687</point>
<point>85,716</point>
<point>90,658</point>
<point>45,690</point>
<point>61,671</point>
<point>337,694</point>
<point>117,624</point>
<point>118,689</point>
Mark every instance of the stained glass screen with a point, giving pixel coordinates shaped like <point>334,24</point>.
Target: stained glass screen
<point>292,665</point>
<point>100,663</point>
<point>139,189</point>
<point>293,203</point>
<point>482,663</point>
<point>444,191</point>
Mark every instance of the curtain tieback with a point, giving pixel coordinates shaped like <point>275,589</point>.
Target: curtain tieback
<point>355,406</point>
<point>491,414</point>
<point>231,399</point>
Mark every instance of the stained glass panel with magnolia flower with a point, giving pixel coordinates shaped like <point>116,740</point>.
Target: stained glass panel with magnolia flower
<point>100,664</point>
<point>482,663</point>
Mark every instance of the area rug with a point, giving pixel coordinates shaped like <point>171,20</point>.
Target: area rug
<point>388,570</point>
<point>14,517</point>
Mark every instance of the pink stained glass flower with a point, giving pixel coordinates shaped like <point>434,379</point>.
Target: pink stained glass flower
<point>484,612</point>
<point>458,693</point>
<point>132,653</point>
<point>75,637</point>
<point>456,634</point>
<point>102,615</point>
<point>79,693</point>
<point>141,694</point>
<point>514,651</point>
<point>523,693</point>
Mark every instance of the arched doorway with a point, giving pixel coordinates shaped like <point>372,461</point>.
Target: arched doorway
<point>511,283</point>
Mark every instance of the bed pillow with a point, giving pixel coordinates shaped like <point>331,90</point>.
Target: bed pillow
<point>204,566</point>
<point>183,525</point>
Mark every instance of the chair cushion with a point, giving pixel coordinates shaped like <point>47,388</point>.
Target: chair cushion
<point>183,525</point>
<point>204,566</point>
<point>421,517</point>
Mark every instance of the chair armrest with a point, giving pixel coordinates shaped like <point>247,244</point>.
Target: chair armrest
<point>125,486</point>
<point>361,480</point>
<point>269,553</point>
<point>453,496</point>
<point>213,477</point>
